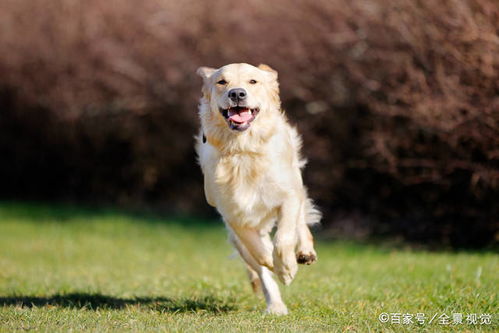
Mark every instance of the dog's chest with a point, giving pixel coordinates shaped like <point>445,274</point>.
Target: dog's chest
<point>248,190</point>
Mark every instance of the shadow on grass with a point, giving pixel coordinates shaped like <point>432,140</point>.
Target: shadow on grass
<point>98,301</point>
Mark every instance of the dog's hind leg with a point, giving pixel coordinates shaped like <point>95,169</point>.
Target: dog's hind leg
<point>270,289</point>
<point>256,283</point>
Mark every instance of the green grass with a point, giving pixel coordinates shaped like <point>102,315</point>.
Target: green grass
<point>65,268</point>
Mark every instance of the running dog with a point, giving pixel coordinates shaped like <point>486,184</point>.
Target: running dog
<point>251,163</point>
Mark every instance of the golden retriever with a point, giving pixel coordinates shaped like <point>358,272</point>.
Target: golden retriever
<point>250,158</point>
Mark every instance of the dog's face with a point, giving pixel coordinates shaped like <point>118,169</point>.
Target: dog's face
<point>239,92</point>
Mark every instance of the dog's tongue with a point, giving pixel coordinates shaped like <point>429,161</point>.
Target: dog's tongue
<point>239,116</point>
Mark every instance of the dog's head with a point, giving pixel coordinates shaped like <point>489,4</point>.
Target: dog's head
<point>238,93</point>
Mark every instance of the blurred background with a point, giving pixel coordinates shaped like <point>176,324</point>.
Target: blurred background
<point>397,102</point>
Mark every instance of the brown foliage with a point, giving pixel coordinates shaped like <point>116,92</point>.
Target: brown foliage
<point>397,100</point>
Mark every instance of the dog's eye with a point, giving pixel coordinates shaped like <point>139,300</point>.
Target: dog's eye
<point>253,81</point>
<point>222,82</point>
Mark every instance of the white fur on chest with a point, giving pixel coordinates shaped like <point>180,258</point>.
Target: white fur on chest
<point>250,192</point>
<point>248,189</point>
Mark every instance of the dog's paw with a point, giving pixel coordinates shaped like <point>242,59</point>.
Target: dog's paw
<point>278,309</point>
<point>306,258</point>
<point>285,266</point>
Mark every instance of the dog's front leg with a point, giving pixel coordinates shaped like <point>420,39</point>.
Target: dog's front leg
<point>285,265</point>
<point>270,289</point>
<point>257,245</point>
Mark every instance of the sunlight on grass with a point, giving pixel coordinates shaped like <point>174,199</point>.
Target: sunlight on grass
<point>64,268</point>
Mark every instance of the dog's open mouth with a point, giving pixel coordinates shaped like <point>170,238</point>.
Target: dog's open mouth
<point>239,118</point>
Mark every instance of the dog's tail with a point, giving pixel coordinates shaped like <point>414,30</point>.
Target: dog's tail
<point>312,213</point>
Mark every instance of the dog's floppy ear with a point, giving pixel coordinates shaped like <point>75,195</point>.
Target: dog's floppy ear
<point>267,68</point>
<point>205,72</point>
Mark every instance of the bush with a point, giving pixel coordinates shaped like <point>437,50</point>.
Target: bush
<point>397,102</point>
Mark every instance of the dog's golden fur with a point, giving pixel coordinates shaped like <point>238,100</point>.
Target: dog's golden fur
<point>252,175</point>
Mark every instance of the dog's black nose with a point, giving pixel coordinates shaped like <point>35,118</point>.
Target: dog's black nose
<point>237,94</point>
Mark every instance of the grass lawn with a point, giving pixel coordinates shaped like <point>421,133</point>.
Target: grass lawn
<point>66,268</point>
